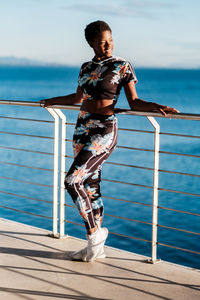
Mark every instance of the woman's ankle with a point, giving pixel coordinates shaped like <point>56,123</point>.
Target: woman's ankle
<point>92,230</point>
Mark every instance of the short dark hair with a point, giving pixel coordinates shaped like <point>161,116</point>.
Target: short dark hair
<point>93,29</point>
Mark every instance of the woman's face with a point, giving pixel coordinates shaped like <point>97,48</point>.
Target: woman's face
<point>103,45</point>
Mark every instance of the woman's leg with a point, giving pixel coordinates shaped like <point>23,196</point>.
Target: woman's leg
<point>83,184</point>
<point>83,177</point>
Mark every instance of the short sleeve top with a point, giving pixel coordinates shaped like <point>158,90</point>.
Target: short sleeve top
<point>104,79</point>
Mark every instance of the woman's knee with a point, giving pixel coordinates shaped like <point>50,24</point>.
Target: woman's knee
<point>69,186</point>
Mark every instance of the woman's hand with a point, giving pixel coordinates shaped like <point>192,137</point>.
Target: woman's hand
<point>45,102</point>
<point>164,110</point>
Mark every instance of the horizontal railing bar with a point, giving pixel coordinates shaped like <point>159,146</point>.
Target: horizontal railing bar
<point>127,219</point>
<point>162,152</point>
<point>25,166</point>
<point>150,131</point>
<point>134,148</point>
<point>150,150</point>
<point>178,248</point>
<point>135,130</point>
<point>69,123</point>
<point>180,211</point>
<point>117,110</point>
<point>147,168</point>
<point>129,237</point>
<point>179,173</point>
<point>25,150</point>
<point>28,135</point>
<point>144,168</point>
<point>69,205</point>
<point>21,103</point>
<point>180,154</point>
<point>162,133</point>
<point>128,166</point>
<point>117,217</point>
<point>68,140</point>
<point>130,148</point>
<point>182,116</point>
<point>74,223</point>
<point>150,187</point>
<point>181,135</point>
<point>128,183</point>
<point>179,192</point>
<point>123,147</point>
<point>24,181</point>
<point>178,229</point>
<point>113,233</point>
<point>25,212</point>
<point>118,164</point>
<point>145,204</point>
<point>129,201</point>
<point>25,197</point>
<point>26,119</point>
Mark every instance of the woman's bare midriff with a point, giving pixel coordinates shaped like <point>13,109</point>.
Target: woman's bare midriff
<point>103,107</point>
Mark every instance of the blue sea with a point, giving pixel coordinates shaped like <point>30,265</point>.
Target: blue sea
<point>178,88</point>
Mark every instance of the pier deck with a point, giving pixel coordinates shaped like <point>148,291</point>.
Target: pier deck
<point>35,266</point>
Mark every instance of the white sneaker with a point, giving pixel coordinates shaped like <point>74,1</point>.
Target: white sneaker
<point>79,255</point>
<point>95,243</point>
<point>82,254</point>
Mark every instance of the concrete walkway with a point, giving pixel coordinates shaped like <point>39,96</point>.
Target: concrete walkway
<point>35,266</point>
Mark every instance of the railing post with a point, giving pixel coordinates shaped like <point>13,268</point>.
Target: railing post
<point>55,176</point>
<point>155,189</point>
<point>62,172</point>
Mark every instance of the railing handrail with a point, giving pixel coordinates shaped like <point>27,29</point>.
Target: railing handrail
<point>187,116</point>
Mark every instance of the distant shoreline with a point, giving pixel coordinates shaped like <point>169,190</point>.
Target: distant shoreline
<point>26,66</point>
<point>11,61</point>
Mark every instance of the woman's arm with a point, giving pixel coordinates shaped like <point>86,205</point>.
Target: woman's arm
<point>138,104</point>
<point>74,98</point>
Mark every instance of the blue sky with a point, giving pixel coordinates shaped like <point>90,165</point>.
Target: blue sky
<point>160,33</point>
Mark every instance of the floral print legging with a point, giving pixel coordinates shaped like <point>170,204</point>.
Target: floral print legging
<point>94,139</point>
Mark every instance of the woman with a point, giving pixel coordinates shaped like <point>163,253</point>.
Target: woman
<point>95,137</point>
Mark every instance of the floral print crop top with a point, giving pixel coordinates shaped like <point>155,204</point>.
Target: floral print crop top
<point>104,79</point>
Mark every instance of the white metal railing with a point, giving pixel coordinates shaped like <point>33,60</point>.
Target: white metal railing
<point>59,167</point>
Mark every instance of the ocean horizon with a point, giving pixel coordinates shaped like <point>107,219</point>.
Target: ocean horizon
<point>14,61</point>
